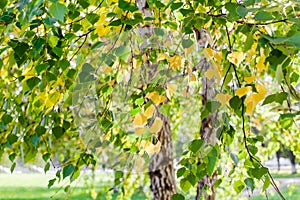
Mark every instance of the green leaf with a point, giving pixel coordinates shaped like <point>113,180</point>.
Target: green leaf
<point>178,197</point>
<point>46,156</point>
<point>266,183</point>
<point>238,186</point>
<point>32,82</point>
<point>235,102</point>
<point>258,172</point>
<point>139,101</point>
<point>68,170</point>
<point>279,74</point>
<point>263,16</point>
<point>58,11</point>
<point>12,157</point>
<point>186,43</point>
<point>40,130</point>
<point>185,185</point>
<point>41,67</point>
<point>175,6</point>
<point>191,178</point>
<point>92,18</point>
<point>195,145</point>
<point>234,157</point>
<point>53,40</point>
<point>6,118</point>
<point>47,167</point>
<point>12,168</point>
<point>3,3</point>
<point>278,97</point>
<point>58,131</point>
<point>212,161</point>
<point>12,138</point>
<point>242,11</point>
<point>294,77</point>
<point>250,183</point>
<point>51,182</point>
<point>253,149</point>
<point>165,109</point>
<point>118,174</point>
<point>180,172</point>
<point>35,139</point>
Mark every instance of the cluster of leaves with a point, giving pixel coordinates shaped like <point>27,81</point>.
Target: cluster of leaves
<point>50,93</point>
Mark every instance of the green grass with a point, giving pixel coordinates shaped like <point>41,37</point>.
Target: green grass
<point>290,194</point>
<point>34,187</point>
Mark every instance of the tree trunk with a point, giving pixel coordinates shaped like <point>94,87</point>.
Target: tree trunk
<point>208,134</point>
<point>161,168</point>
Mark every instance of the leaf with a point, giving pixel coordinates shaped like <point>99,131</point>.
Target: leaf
<point>149,111</point>
<point>47,167</point>
<point>279,74</point>
<point>266,183</point>
<point>58,131</point>
<point>40,130</point>
<point>176,62</point>
<point>12,138</point>
<point>12,157</point>
<point>258,172</point>
<point>171,88</point>
<point>278,97</point>
<point>155,97</point>
<point>238,186</point>
<point>242,11</point>
<point>32,82</point>
<point>250,79</point>
<point>161,56</point>
<point>6,118</point>
<point>178,197</point>
<point>46,157</point>
<point>101,30</point>
<point>186,43</point>
<point>12,168</point>
<point>35,139</point>
<point>235,158</point>
<point>156,126</point>
<point>240,92</point>
<point>51,182</point>
<point>68,170</point>
<point>236,57</point>
<point>140,130</point>
<point>53,40</point>
<point>58,11</point>
<point>195,145</point>
<point>140,120</point>
<point>263,16</point>
<point>185,185</point>
<point>180,172</point>
<point>223,98</point>
<point>235,102</point>
<point>250,183</point>
<point>191,178</point>
<point>3,3</point>
<point>92,18</point>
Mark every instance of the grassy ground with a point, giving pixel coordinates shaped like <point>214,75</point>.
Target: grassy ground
<point>34,187</point>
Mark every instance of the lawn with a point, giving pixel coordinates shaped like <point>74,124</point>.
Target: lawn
<point>34,186</point>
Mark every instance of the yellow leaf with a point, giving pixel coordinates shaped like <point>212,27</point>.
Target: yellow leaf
<point>161,56</point>
<point>218,56</point>
<point>101,30</point>
<point>149,111</point>
<point>210,73</point>
<point>176,62</point>
<point>140,130</point>
<point>152,149</point>
<point>171,88</point>
<point>155,97</point>
<point>140,120</point>
<point>190,49</point>
<point>53,98</point>
<point>136,63</point>
<point>261,64</point>
<point>208,53</point>
<point>250,79</point>
<point>243,91</point>
<point>156,126</point>
<point>252,52</point>
<point>254,98</point>
<point>236,57</point>
<point>223,98</point>
<point>193,77</point>
<point>144,58</point>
